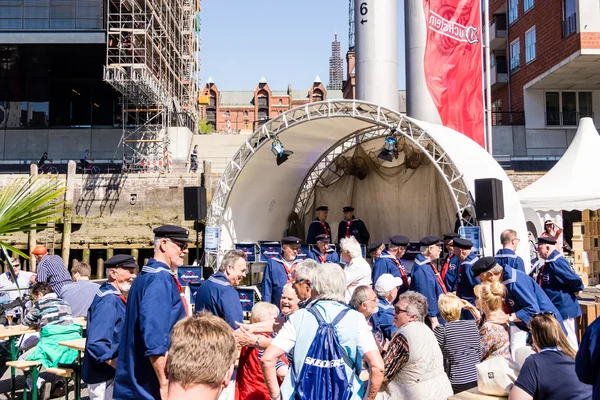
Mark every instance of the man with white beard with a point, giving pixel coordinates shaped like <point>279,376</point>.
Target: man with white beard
<point>105,318</point>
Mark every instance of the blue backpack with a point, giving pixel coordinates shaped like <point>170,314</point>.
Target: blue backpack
<point>323,375</point>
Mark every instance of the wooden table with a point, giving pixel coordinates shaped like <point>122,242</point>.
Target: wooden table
<point>474,394</point>
<point>81,321</point>
<point>79,345</point>
<point>11,333</point>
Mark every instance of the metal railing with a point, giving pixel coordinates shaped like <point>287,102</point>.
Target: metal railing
<point>569,118</point>
<point>508,118</point>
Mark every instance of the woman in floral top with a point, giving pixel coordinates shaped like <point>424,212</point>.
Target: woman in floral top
<point>495,335</point>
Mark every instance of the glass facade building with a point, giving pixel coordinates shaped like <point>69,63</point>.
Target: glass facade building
<point>55,86</point>
<point>35,15</point>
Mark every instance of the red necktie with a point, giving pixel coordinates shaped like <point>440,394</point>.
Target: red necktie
<point>289,270</point>
<point>402,272</point>
<point>185,305</point>
<point>322,258</point>
<point>324,227</point>
<point>439,278</point>
<point>505,307</point>
<point>348,225</point>
<point>446,266</point>
<point>122,298</point>
<point>540,277</point>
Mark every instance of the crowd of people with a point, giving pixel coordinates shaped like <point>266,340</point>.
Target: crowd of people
<point>330,327</point>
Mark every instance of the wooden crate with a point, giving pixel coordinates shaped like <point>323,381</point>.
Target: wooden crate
<point>589,312</point>
<point>593,255</point>
<point>590,228</point>
<point>591,242</point>
<point>577,244</point>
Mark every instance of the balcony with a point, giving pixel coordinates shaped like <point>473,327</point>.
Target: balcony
<point>498,74</point>
<point>498,32</point>
<point>570,118</point>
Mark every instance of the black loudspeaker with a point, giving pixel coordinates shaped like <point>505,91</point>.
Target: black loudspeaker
<point>194,203</point>
<point>489,199</point>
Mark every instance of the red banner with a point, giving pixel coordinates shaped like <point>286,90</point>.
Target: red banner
<point>454,64</point>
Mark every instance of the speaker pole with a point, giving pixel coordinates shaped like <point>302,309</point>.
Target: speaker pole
<point>202,183</point>
<point>493,237</point>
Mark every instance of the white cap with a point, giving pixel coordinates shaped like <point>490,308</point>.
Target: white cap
<point>387,282</point>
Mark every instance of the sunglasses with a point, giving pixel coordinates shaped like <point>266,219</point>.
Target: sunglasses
<point>543,313</point>
<point>398,310</point>
<point>182,246</point>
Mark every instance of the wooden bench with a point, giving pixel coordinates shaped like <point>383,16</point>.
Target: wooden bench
<point>25,365</point>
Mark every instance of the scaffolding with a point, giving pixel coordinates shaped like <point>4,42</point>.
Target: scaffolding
<point>336,66</point>
<point>153,61</point>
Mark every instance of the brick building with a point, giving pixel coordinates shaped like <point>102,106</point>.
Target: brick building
<point>235,111</point>
<point>545,73</point>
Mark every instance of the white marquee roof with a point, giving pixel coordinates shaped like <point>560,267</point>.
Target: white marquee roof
<point>572,183</point>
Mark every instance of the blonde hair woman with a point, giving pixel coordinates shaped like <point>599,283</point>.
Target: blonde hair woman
<point>549,374</point>
<point>495,336</point>
<point>460,344</point>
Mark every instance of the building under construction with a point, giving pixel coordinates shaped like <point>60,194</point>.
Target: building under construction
<point>153,61</point>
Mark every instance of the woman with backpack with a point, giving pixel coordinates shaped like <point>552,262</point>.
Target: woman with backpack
<point>329,342</point>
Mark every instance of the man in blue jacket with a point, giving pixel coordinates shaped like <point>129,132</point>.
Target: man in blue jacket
<point>450,265</point>
<point>587,362</point>
<point>154,305</point>
<point>217,294</point>
<point>352,226</point>
<point>506,255</point>
<point>386,289</point>
<point>319,225</point>
<point>561,284</point>
<point>321,252</point>
<point>465,279</point>
<point>278,270</point>
<point>105,319</point>
<point>390,262</point>
<point>426,279</point>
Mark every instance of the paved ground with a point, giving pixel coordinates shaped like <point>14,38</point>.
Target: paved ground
<point>5,386</point>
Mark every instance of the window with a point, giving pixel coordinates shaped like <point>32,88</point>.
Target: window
<point>569,17</point>
<point>227,114</point>
<point>245,113</point>
<point>515,54</point>
<point>566,108</point>
<point>527,4</point>
<point>497,112</point>
<point>513,10</point>
<point>280,101</point>
<point>530,45</point>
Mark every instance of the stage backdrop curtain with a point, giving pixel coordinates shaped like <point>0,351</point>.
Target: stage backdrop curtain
<point>392,200</point>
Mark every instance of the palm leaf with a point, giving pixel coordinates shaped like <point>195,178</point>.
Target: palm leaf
<point>28,202</point>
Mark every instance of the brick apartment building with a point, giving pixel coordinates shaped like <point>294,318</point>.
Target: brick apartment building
<point>545,73</point>
<point>235,111</point>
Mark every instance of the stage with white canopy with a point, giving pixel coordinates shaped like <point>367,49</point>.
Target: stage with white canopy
<point>335,162</point>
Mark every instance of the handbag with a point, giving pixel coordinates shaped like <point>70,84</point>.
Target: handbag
<point>496,376</point>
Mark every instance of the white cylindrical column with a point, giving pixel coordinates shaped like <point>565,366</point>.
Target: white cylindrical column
<point>376,37</point>
<point>419,103</point>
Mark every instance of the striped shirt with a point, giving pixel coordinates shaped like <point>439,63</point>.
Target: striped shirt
<point>53,271</point>
<point>50,310</point>
<point>461,345</point>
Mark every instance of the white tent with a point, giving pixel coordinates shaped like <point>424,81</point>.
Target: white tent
<point>254,197</point>
<point>571,184</point>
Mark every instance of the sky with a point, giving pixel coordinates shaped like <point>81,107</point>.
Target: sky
<point>287,42</point>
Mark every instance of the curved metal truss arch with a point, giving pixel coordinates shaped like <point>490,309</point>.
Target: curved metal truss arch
<point>383,121</point>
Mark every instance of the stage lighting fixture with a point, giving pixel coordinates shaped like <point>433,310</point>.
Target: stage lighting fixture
<point>280,152</point>
<point>390,149</point>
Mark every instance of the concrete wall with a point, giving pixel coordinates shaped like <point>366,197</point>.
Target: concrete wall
<point>588,16</point>
<point>120,210</point>
<point>181,138</point>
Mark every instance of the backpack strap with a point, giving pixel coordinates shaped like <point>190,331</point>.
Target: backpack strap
<point>352,364</point>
